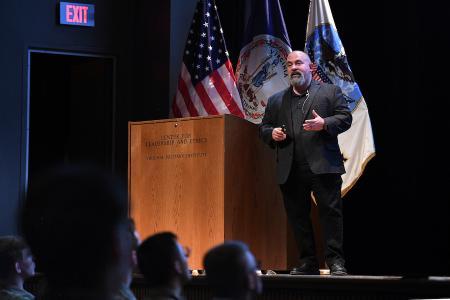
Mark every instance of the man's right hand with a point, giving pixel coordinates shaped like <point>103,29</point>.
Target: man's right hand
<point>278,135</point>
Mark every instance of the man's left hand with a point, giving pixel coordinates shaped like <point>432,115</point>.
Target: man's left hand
<point>315,124</point>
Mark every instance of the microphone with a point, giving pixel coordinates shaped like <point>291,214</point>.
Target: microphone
<point>307,97</point>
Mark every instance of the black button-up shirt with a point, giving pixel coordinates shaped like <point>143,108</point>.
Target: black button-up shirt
<point>298,112</point>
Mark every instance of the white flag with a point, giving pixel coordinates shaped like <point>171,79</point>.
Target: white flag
<point>325,49</point>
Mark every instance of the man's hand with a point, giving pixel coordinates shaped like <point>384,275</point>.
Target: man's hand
<point>315,124</point>
<point>278,135</point>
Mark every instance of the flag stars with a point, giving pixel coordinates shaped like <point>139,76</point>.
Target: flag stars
<point>197,66</point>
<point>207,69</point>
<point>207,14</point>
<point>213,38</point>
<point>217,61</point>
<point>205,24</point>
<point>201,45</point>
<point>200,56</point>
<point>214,27</point>
<point>208,57</point>
<point>220,50</point>
<point>210,48</point>
<point>203,34</point>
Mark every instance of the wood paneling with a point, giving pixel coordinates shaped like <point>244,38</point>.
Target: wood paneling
<point>208,180</point>
<point>176,181</point>
<point>254,209</point>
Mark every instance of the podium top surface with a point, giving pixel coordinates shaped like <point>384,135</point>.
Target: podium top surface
<point>227,116</point>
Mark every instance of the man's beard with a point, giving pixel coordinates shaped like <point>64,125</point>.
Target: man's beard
<point>297,81</point>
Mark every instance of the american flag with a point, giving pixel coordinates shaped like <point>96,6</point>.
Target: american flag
<point>207,85</point>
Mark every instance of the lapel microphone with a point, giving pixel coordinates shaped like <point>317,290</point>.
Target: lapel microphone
<point>307,97</point>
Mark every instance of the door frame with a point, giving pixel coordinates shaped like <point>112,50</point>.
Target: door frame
<point>25,139</point>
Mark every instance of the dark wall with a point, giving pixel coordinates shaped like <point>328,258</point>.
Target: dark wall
<point>125,30</point>
<point>151,74</point>
<point>397,215</point>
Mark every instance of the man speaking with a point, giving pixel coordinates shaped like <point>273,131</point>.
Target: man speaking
<point>302,122</point>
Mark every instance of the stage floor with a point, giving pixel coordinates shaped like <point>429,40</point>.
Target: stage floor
<point>284,286</point>
<point>327,287</point>
<point>317,287</point>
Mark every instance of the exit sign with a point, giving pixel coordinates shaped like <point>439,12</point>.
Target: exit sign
<point>79,14</point>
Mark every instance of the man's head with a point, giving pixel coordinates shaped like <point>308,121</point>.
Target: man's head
<point>231,270</point>
<point>163,261</point>
<point>74,220</point>
<point>15,259</point>
<point>299,70</point>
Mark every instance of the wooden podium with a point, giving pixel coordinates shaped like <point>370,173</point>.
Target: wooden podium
<point>207,179</point>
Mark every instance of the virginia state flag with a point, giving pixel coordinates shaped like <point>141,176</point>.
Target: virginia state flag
<point>325,49</point>
<point>261,70</point>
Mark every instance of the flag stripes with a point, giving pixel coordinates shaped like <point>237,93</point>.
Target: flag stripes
<point>214,95</point>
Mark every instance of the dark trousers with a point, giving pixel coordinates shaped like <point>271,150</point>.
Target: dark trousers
<point>297,201</point>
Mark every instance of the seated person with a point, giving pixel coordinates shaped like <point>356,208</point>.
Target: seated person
<point>16,265</point>
<point>231,271</point>
<point>163,262</point>
<point>125,293</point>
<point>75,221</point>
